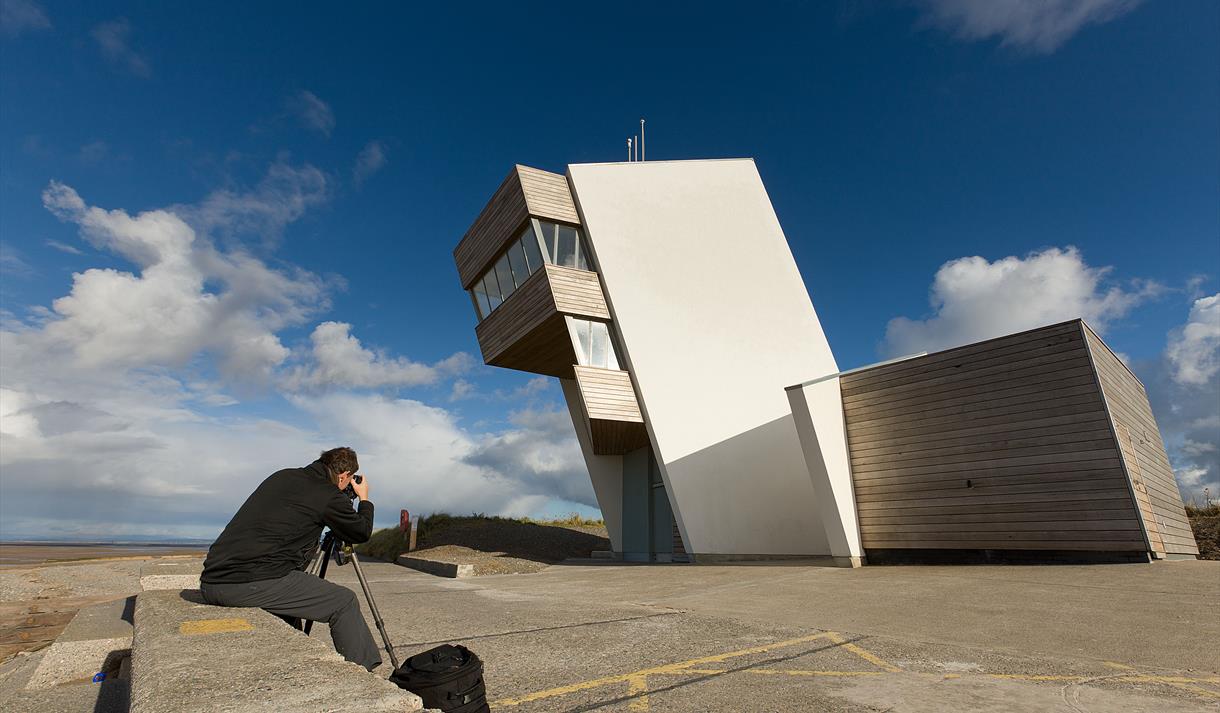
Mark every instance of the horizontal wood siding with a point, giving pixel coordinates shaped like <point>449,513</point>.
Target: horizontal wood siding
<point>577,292</point>
<point>547,195</point>
<point>524,310</point>
<point>501,218</point>
<point>1004,444</point>
<point>525,192</point>
<point>1143,452</point>
<point>607,394</point>
<point>615,423</point>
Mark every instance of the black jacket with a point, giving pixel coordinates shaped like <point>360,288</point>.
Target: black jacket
<point>277,528</point>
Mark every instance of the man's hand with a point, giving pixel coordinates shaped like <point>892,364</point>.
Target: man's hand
<point>361,488</point>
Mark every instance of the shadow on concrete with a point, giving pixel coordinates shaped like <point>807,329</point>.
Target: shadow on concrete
<point>550,544</point>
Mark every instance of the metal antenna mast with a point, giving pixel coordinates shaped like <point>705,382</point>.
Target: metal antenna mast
<point>628,148</point>
<point>641,139</point>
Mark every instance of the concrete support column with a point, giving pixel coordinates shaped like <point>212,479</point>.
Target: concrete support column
<point>817,411</point>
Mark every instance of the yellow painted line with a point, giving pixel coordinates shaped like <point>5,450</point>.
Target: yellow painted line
<point>673,668</point>
<point>213,626</point>
<point>800,672</point>
<point>638,686</point>
<point>874,660</point>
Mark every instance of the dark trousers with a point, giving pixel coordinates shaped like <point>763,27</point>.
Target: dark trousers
<point>305,596</point>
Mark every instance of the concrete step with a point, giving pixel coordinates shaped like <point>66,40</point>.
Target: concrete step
<point>190,656</point>
<point>176,575</point>
<point>97,640</point>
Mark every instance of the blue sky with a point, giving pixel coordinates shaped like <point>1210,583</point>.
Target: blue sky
<point>226,232</point>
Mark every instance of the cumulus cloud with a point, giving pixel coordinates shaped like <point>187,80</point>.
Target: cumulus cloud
<point>18,16</point>
<point>370,160</point>
<point>1194,350</point>
<point>166,314</point>
<point>116,417</point>
<point>114,40</point>
<point>973,299</point>
<point>338,359</point>
<point>1039,26</point>
<point>313,113</point>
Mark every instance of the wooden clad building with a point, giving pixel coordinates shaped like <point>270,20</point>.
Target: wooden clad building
<point>1041,440</point>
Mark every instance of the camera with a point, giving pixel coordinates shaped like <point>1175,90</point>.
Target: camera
<point>349,491</point>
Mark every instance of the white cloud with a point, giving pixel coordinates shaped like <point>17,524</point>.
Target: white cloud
<point>370,160</point>
<point>1194,350</point>
<point>973,299</point>
<point>312,112</point>
<point>339,360</point>
<point>281,197</point>
<point>12,264</point>
<point>94,152</point>
<point>166,315</point>
<point>64,247</point>
<point>1040,26</point>
<point>18,16</point>
<point>115,416</point>
<point>114,40</point>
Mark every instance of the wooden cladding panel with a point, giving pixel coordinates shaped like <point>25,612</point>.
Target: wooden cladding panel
<point>607,394</point>
<point>524,192</point>
<point>577,292</point>
<point>524,310</point>
<point>547,195</point>
<point>614,438</point>
<point>615,423</point>
<point>1004,444</point>
<point>499,221</point>
<point>1143,452</point>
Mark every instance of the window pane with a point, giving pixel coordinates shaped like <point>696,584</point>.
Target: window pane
<point>586,339</point>
<point>601,343</point>
<point>516,260</point>
<point>532,255</point>
<point>546,231</point>
<point>565,250</point>
<point>492,289</point>
<point>575,328</point>
<point>480,299</point>
<point>504,276</point>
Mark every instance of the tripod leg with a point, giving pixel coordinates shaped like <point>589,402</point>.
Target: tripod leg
<point>368,597</point>
<point>323,561</point>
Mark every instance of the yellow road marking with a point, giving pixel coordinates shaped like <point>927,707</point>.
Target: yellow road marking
<point>800,672</point>
<point>638,686</point>
<point>637,680</point>
<point>213,626</point>
<point>861,652</point>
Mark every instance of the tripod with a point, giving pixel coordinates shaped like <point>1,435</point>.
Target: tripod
<point>342,552</point>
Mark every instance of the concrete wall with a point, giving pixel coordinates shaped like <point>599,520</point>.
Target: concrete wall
<point>606,472</point>
<point>714,322</point>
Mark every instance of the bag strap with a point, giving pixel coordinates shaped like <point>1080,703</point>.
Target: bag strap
<point>465,695</point>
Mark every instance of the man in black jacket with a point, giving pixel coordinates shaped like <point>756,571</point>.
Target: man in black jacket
<point>258,560</point>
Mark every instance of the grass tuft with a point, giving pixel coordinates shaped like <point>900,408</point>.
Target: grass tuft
<point>1205,522</point>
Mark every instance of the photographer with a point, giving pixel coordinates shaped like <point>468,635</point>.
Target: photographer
<point>257,560</point>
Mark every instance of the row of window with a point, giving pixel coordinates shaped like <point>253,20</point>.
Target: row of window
<point>540,242</point>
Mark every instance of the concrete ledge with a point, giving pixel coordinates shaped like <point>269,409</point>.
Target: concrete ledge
<point>190,656</point>
<point>170,575</point>
<point>440,569</point>
<point>97,639</point>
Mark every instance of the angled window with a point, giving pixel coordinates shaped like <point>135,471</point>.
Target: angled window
<point>592,343</point>
<point>541,242</point>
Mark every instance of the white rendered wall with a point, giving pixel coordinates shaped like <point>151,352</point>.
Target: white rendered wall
<point>817,409</point>
<point>715,322</point>
<point>606,472</point>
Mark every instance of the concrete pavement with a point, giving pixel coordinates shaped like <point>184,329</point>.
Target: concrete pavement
<point>769,637</point>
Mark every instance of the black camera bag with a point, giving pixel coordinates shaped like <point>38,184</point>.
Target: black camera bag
<point>448,677</point>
